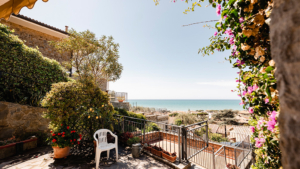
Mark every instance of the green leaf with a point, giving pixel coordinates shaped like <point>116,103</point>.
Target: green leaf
<point>269,69</point>
<point>268,92</point>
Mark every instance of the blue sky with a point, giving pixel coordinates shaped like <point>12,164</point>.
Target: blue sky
<point>159,55</point>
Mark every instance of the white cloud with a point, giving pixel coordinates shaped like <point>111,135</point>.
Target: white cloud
<point>219,83</point>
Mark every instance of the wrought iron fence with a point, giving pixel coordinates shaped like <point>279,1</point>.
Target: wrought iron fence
<point>191,143</point>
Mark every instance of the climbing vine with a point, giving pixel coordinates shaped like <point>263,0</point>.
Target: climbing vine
<point>243,28</point>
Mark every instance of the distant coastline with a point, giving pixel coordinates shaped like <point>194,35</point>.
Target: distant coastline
<point>187,104</point>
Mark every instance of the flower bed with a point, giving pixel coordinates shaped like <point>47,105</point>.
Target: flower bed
<point>170,157</point>
<point>17,147</point>
<point>156,150</point>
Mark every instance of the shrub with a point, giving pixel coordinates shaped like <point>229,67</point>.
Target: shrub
<point>126,136</point>
<point>224,114</point>
<point>217,137</point>
<point>27,74</point>
<point>82,106</point>
<point>133,140</point>
<point>152,127</point>
<point>185,119</point>
<point>178,122</point>
<point>173,114</point>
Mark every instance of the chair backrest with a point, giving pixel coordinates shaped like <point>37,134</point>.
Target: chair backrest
<point>102,136</point>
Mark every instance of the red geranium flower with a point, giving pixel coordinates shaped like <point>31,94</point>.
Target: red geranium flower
<point>70,140</point>
<point>61,124</point>
<point>74,139</point>
<point>64,133</point>
<point>74,131</point>
<point>53,134</point>
<point>53,140</point>
<point>80,135</point>
<point>80,138</point>
<point>59,134</point>
<point>78,142</point>
<point>68,127</point>
<point>51,131</point>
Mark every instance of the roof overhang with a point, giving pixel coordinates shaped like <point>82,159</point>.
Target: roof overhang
<point>37,27</point>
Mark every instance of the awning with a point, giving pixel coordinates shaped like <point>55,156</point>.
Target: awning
<point>7,7</point>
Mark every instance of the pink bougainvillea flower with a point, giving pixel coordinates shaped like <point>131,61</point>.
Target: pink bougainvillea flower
<point>218,9</point>
<point>266,100</point>
<point>244,93</point>
<point>252,128</point>
<point>272,121</point>
<point>231,90</point>
<point>250,89</point>
<point>231,41</point>
<point>216,33</point>
<point>237,81</point>
<point>241,19</point>
<point>225,16</point>
<point>228,32</point>
<point>251,110</point>
<point>255,87</point>
<point>239,95</point>
<point>241,102</point>
<point>238,72</point>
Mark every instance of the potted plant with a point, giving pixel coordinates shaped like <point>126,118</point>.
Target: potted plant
<point>156,150</point>
<point>168,156</point>
<point>120,99</point>
<point>133,140</point>
<point>62,139</point>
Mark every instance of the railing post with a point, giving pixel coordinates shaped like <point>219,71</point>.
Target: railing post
<point>206,136</point>
<point>225,156</point>
<point>144,131</point>
<point>179,149</point>
<point>213,158</point>
<point>235,159</point>
<point>183,138</point>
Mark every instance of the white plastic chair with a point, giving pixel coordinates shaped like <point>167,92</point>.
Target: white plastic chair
<point>102,144</point>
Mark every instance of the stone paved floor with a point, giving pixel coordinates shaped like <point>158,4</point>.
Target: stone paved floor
<point>41,158</point>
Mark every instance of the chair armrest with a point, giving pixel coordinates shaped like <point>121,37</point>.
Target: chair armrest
<point>115,136</point>
<point>96,140</point>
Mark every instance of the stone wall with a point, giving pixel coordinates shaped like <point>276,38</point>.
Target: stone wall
<point>285,48</point>
<point>16,120</point>
<point>35,38</point>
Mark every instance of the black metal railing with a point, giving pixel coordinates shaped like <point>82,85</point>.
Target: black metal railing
<point>191,143</point>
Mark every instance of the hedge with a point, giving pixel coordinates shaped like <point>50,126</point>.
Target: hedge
<point>25,75</point>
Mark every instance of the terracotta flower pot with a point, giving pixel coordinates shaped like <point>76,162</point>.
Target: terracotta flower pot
<point>155,152</point>
<point>169,158</point>
<point>148,148</point>
<point>61,152</point>
<point>121,101</point>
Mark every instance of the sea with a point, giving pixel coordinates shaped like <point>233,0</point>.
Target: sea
<point>185,105</point>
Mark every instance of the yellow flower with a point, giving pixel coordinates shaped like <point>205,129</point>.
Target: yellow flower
<point>89,117</point>
<point>91,109</point>
<point>103,105</point>
<point>96,117</point>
